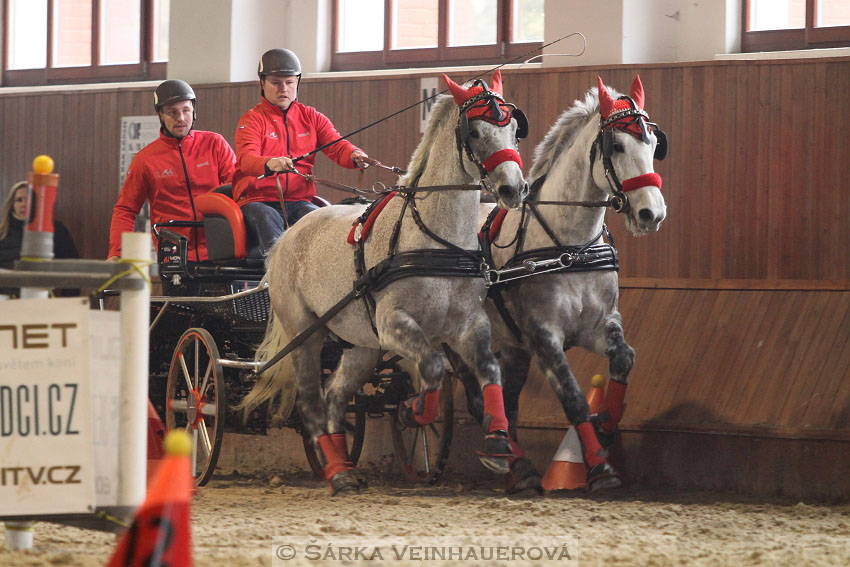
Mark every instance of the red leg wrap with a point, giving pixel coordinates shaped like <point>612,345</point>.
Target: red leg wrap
<point>341,445</point>
<point>334,460</point>
<point>494,408</point>
<point>593,452</point>
<point>613,404</point>
<point>427,414</point>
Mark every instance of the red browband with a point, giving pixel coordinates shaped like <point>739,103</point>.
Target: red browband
<point>642,181</point>
<point>495,159</point>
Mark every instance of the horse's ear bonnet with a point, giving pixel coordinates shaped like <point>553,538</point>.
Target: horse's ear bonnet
<point>636,125</point>
<point>494,110</point>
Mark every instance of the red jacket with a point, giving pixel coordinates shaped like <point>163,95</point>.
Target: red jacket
<point>158,176</point>
<point>266,132</point>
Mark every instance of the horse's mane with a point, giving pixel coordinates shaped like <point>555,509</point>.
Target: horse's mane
<point>439,114</point>
<point>561,136</point>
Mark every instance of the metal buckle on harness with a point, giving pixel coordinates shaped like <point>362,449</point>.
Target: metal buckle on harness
<point>570,258</point>
<point>358,231</point>
<point>618,204</point>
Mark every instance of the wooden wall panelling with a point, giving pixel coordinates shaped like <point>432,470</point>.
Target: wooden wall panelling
<point>804,381</point>
<point>837,388</point>
<point>755,183</point>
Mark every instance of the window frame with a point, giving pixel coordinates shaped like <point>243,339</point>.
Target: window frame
<point>144,70</point>
<point>442,55</point>
<point>810,37</point>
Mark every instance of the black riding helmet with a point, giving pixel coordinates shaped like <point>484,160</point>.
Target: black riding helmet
<point>174,90</point>
<point>279,62</point>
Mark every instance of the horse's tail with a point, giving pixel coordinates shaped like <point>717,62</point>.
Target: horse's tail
<point>277,381</point>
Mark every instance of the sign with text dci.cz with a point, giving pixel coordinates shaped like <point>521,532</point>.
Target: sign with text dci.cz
<point>59,388</point>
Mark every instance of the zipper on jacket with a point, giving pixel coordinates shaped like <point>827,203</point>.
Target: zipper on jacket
<point>191,199</point>
<point>286,178</point>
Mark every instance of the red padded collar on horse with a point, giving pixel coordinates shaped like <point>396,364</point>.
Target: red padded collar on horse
<point>360,231</point>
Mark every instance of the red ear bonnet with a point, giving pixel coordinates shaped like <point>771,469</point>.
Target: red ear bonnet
<point>488,109</point>
<point>496,80</point>
<point>606,103</point>
<point>459,93</point>
<point>637,92</point>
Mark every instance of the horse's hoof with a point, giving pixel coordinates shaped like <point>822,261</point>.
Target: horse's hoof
<point>603,477</point>
<point>497,455</point>
<point>361,478</point>
<point>524,480</point>
<point>344,482</point>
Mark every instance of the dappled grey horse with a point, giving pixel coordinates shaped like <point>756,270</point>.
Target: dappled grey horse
<point>554,284</point>
<point>416,273</point>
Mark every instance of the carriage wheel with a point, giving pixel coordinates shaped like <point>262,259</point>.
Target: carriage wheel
<point>424,450</point>
<point>195,399</point>
<point>355,430</point>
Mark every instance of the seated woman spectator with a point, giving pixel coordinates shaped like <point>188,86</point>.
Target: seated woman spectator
<point>12,222</point>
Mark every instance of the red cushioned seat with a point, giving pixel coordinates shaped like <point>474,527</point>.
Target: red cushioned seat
<point>224,226</point>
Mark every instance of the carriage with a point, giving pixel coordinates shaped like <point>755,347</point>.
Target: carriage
<point>204,333</point>
<point>449,323</point>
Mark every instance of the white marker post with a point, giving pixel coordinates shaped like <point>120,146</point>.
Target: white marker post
<point>37,242</point>
<point>132,432</point>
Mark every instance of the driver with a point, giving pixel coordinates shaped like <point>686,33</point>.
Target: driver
<point>267,138</point>
<point>172,170</point>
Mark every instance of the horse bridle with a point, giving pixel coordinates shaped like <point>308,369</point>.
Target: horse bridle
<point>495,102</point>
<point>605,142</point>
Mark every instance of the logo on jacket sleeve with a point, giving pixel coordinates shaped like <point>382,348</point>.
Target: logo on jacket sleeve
<point>167,172</point>
<point>273,135</point>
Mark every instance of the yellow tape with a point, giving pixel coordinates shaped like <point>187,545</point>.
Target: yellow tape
<point>134,266</point>
<point>19,526</point>
<point>104,516</point>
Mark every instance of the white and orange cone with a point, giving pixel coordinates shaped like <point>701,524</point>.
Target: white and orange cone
<point>160,534</point>
<point>567,471</point>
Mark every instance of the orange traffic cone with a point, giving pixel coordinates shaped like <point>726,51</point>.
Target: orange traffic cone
<point>160,534</point>
<point>567,471</point>
<point>156,432</point>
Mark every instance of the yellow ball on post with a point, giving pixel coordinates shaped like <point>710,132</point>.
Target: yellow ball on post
<point>598,381</point>
<point>178,443</point>
<point>42,164</point>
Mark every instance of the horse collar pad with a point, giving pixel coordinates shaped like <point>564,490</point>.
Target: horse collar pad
<point>363,225</point>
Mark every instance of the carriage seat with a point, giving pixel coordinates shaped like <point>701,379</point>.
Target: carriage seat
<point>224,225</point>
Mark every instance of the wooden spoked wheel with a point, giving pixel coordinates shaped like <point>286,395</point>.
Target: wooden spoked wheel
<point>195,399</point>
<point>423,451</point>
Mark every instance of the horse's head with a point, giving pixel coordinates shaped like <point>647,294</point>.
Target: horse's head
<point>625,148</point>
<point>487,132</point>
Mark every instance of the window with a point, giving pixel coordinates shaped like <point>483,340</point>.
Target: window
<point>84,41</point>
<point>378,34</point>
<point>775,25</point>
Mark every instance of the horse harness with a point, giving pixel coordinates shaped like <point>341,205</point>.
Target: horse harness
<point>451,261</point>
<point>559,258</point>
<point>573,258</point>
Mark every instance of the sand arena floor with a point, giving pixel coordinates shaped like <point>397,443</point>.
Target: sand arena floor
<point>238,521</point>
